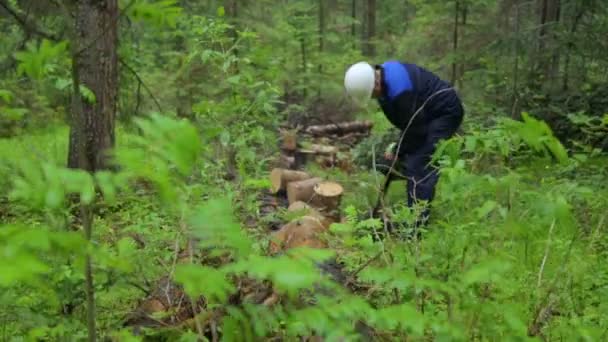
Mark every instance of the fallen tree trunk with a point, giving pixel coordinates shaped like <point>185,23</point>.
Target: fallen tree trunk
<point>320,149</point>
<point>341,128</point>
<point>279,178</point>
<point>301,190</point>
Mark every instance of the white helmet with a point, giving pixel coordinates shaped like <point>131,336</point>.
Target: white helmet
<point>359,81</point>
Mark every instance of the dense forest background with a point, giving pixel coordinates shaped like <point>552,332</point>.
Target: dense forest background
<point>136,137</point>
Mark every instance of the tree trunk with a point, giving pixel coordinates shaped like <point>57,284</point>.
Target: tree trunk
<point>232,7</point>
<point>96,68</point>
<point>463,25</point>
<point>515,90</point>
<point>304,62</point>
<point>370,49</point>
<point>321,42</point>
<point>553,66</point>
<point>542,25</point>
<point>570,46</point>
<point>455,42</point>
<point>353,13</point>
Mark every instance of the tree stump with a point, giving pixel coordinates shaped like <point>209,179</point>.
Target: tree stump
<point>289,141</point>
<point>279,178</point>
<point>302,190</point>
<point>307,210</point>
<point>327,197</point>
<point>302,232</point>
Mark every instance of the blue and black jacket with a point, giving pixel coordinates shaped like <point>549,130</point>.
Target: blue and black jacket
<point>406,87</point>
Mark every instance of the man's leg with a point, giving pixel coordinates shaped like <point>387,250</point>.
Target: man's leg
<point>423,177</point>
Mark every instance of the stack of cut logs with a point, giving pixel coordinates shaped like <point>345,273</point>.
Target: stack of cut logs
<point>316,199</point>
<point>323,143</point>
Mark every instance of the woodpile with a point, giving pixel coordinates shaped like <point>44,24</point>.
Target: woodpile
<point>317,199</point>
<point>318,202</point>
<point>313,201</point>
<point>327,145</point>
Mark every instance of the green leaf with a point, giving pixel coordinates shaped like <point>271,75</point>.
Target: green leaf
<point>87,94</point>
<point>402,317</point>
<point>159,13</point>
<point>486,271</point>
<point>486,208</point>
<point>216,226</point>
<point>206,281</point>
<point>221,11</point>
<point>6,96</point>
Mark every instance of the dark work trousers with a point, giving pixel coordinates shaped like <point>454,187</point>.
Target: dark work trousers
<point>414,161</point>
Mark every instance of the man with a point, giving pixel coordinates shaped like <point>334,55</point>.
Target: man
<point>425,108</point>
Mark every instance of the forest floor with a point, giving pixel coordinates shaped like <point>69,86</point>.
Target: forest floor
<point>148,298</point>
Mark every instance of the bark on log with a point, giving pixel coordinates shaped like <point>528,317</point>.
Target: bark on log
<point>302,232</point>
<point>326,161</point>
<point>320,149</point>
<point>326,199</point>
<point>279,178</point>
<point>307,210</point>
<point>301,190</point>
<point>353,138</point>
<point>287,162</point>
<point>341,128</point>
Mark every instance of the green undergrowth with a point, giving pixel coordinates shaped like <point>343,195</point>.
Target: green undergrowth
<point>514,251</point>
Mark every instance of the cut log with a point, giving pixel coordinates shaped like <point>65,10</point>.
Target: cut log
<point>302,232</point>
<point>289,140</point>
<point>326,199</point>
<point>326,161</point>
<point>299,206</point>
<point>320,149</point>
<point>279,178</point>
<point>302,190</point>
<point>340,128</point>
<point>353,138</point>
<point>307,210</point>
<point>287,162</point>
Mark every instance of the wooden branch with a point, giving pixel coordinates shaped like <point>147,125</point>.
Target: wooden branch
<point>123,63</point>
<point>28,26</point>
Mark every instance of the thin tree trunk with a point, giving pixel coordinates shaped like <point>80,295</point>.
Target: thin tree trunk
<point>87,218</point>
<point>97,66</point>
<point>570,45</point>
<point>542,28</point>
<point>353,14</point>
<point>461,38</point>
<point>321,42</point>
<point>455,41</point>
<point>304,62</point>
<point>514,111</point>
<point>553,67</point>
<point>79,135</point>
<point>370,49</point>
<point>232,13</point>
